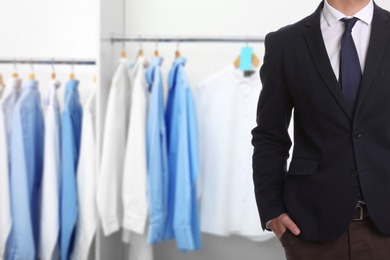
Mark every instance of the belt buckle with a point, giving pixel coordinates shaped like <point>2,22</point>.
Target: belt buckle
<point>361,211</point>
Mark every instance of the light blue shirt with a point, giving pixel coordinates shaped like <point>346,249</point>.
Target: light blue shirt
<point>27,142</point>
<point>156,151</point>
<point>9,99</point>
<point>70,146</point>
<point>183,161</point>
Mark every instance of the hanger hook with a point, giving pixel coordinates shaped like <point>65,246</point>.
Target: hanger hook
<point>123,42</point>
<point>52,65</point>
<point>140,42</point>
<point>15,65</point>
<point>156,50</point>
<point>31,66</point>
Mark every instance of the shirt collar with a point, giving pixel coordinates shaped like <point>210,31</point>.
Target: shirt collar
<point>332,15</point>
<point>149,75</point>
<point>181,61</point>
<point>15,83</point>
<point>31,84</point>
<point>72,84</point>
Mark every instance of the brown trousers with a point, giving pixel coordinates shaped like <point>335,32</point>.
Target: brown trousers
<point>362,241</point>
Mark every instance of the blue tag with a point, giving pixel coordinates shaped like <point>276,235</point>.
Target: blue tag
<point>246,58</point>
<point>131,65</point>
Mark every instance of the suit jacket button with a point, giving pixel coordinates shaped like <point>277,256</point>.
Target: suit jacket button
<point>357,134</point>
<point>354,174</point>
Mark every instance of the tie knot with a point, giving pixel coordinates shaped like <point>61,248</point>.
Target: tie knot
<point>349,23</point>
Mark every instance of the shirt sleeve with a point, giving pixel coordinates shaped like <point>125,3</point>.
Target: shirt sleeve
<point>21,241</point>
<point>135,172</point>
<point>86,186</point>
<point>5,207</point>
<point>69,207</point>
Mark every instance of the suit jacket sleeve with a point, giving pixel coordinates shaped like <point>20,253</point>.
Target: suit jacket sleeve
<point>270,137</point>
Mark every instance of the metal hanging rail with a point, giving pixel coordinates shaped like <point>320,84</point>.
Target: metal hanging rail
<point>46,61</point>
<point>134,38</point>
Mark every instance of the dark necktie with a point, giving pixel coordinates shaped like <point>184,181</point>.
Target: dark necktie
<point>350,71</point>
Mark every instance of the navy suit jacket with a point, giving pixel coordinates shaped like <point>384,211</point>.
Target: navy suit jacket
<point>334,149</point>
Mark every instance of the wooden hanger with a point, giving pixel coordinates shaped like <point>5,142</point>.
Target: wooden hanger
<point>177,54</point>
<point>32,74</point>
<point>94,79</point>
<point>255,61</point>
<point>53,74</point>
<point>1,81</point>
<point>71,77</point>
<point>156,51</point>
<point>15,74</point>
<point>123,54</point>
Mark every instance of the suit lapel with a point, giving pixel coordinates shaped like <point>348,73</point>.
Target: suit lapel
<point>380,31</point>
<point>316,46</point>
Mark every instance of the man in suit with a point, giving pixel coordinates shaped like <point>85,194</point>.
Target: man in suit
<point>333,70</point>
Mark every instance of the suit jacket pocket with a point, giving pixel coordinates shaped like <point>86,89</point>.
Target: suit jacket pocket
<point>302,167</point>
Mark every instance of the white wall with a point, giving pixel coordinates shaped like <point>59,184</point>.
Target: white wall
<point>50,29</point>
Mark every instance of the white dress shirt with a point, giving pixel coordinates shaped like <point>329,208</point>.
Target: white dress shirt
<point>109,190</point>
<point>333,29</point>
<point>134,188</point>
<point>226,107</point>
<point>10,96</point>
<point>86,183</point>
<point>135,201</point>
<point>50,226</point>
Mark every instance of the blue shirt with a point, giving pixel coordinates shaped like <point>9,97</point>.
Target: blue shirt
<point>70,146</point>
<point>27,142</point>
<point>183,161</point>
<point>156,151</point>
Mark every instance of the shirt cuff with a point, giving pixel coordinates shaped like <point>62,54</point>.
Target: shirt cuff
<point>267,225</point>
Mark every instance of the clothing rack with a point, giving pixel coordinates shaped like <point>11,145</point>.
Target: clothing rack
<point>135,38</point>
<point>47,61</point>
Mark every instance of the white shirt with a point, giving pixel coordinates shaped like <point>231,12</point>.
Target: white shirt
<point>135,201</point>
<point>86,183</point>
<point>109,189</point>
<point>8,100</point>
<point>227,101</point>
<point>50,226</point>
<point>333,29</point>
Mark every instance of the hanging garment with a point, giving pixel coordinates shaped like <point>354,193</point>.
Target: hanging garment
<point>183,158</point>
<point>86,183</point>
<point>134,187</point>
<point>135,172</point>
<point>70,145</point>
<point>156,151</point>
<point>109,190</point>
<point>27,143</point>
<point>226,105</point>
<point>50,226</point>
<point>7,103</point>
